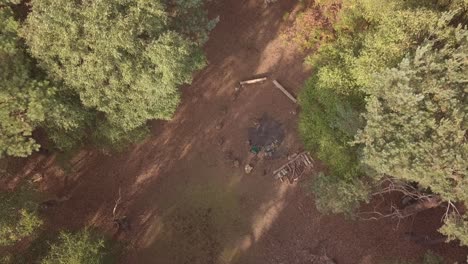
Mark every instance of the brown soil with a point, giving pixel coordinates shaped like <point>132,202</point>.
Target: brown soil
<point>186,200</point>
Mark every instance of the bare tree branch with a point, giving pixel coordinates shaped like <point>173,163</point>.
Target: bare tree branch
<point>117,203</point>
<point>420,201</point>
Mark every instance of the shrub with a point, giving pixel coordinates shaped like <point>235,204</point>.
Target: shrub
<point>432,258</point>
<point>336,195</point>
<point>18,215</point>
<point>78,248</point>
<point>456,227</point>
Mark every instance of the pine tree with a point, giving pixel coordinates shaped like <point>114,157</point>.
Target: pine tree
<point>417,121</point>
<point>417,117</point>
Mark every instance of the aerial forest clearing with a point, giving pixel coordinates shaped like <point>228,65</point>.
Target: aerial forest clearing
<point>233,132</point>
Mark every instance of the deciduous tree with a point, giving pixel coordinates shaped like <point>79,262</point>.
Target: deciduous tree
<point>123,58</point>
<point>28,100</point>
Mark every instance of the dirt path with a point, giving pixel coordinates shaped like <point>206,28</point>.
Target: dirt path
<point>188,203</point>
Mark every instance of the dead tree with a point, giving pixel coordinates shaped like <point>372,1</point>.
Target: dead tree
<point>414,201</point>
<point>122,222</point>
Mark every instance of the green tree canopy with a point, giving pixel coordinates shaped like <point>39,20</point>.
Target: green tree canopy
<point>106,67</point>
<point>417,121</point>
<point>16,86</point>
<point>416,117</point>
<point>121,57</point>
<point>28,100</point>
<point>406,63</point>
<point>370,35</point>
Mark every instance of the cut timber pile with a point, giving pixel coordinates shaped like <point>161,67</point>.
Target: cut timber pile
<point>295,167</point>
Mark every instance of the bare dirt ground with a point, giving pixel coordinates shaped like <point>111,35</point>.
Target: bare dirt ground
<point>185,199</point>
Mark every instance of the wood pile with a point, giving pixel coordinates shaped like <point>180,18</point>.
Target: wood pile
<point>295,167</point>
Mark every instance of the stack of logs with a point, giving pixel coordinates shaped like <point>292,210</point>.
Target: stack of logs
<point>295,168</point>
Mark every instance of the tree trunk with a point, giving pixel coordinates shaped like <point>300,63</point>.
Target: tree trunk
<point>420,205</point>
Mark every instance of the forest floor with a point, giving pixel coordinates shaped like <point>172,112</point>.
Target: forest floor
<point>186,200</point>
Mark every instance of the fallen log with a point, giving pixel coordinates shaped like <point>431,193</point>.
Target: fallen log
<point>252,81</point>
<point>424,240</point>
<point>419,206</point>
<point>282,89</point>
